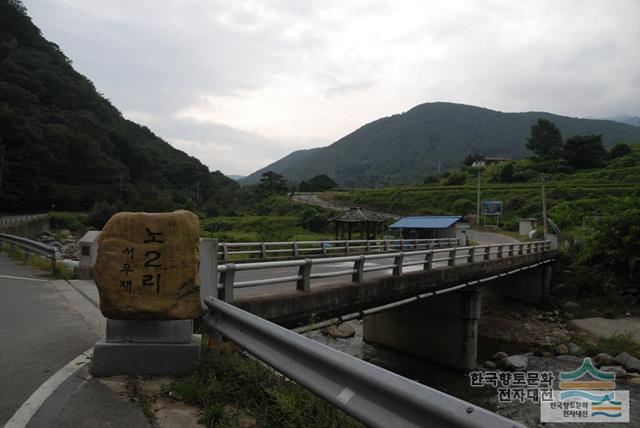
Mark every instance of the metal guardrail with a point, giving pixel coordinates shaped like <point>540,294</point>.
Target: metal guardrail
<point>303,278</point>
<point>29,247</point>
<point>301,248</point>
<point>375,396</point>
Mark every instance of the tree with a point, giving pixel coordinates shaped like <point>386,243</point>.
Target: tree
<point>319,183</point>
<point>584,151</point>
<point>470,159</point>
<point>619,150</point>
<point>545,140</point>
<point>272,182</point>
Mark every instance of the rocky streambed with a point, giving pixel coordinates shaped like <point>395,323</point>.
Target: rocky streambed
<point>512,337</point>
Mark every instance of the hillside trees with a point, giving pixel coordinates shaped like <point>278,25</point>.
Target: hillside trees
<point>584,151</point>
<point>545,140</point>
<point>272,182</point>
<point>619,150</point>
<point>319,183</point>
<point>68,147</point>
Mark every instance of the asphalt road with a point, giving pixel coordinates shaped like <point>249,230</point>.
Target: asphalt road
<point>40,332</point>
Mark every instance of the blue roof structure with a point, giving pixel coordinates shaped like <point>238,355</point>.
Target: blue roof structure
<point>426,222</point>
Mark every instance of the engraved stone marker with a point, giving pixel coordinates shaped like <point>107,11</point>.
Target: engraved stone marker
<point>147,266</point>
<point>147,274</point>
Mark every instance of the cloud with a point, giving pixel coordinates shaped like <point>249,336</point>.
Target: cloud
<point>240,84</point>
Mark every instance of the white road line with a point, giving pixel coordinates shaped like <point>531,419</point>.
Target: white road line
<point>23,278</point>
<point>29,408</point>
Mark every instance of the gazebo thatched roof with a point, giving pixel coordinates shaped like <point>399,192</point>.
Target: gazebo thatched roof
<point>358,215</point>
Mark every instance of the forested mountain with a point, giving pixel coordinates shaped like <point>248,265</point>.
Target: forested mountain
<point>66,146</point>
<point>630,120</point>
<point>281,165</point>
<point>407,147</point>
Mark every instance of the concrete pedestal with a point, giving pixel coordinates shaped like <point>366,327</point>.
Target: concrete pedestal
<point>146,348</point>
<point>443,329</point>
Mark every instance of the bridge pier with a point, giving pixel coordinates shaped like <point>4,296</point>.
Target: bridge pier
<point>529,286</point>
<point>443,328</point>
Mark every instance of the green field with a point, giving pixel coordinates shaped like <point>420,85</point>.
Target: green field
<point>573,199</point>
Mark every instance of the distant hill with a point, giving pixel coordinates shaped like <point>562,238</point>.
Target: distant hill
<point>278,166</point>
<point>405,148</point>
<point>66,146</point>
<point>236,177</point>
<point>629,120</point>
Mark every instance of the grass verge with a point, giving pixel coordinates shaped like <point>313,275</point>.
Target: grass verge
<point>59,271</point>
<point>138,396</point>
<point>232,387</point>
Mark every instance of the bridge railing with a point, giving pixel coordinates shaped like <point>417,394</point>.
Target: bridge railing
<point>264,250</point>
<point>373,395</point>
<point>30,247</point>
<point>400,260</point>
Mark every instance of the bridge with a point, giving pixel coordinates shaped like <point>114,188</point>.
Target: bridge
<point>407,299</point>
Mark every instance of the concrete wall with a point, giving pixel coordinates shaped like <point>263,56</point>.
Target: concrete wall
<point>443,329</point>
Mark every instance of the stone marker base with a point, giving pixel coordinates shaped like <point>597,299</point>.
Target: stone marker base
<point>146,348</point>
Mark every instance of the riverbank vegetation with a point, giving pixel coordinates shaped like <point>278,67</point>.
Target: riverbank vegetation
<point>233,389</point>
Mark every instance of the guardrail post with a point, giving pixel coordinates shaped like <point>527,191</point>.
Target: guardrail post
<point>225,252</point>
<point>511,250</point>
<point>346,247</point>
<point>368,249</point>
<point>227,278</point>
<point>500,251</point>
<point>296,253</point>
<point>415,244</point>
<point>487,253</point>
<point>263,250</point>
<point>358,267</point>
<point>428,261</point>
<point>397,264</point>
<point>471,254</point>
<point>208,268</point>
<point>452,258</point>
<point>304,283</point>
<point>520,249</point>
<point>529,248</point>
<point>324,247</point>
<point>386,245</point>
<point>402,245</point>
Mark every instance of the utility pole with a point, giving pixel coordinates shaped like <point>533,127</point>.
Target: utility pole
<point>544,208</point>
<point>478,199</point>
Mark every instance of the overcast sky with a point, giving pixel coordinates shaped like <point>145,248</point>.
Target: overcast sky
<point>239,84</point>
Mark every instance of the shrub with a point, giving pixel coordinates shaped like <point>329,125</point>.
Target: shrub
<point>101,212</point>
<point>64,220</point>
<point>463,206</point>
<point>456,178</point>
<point>619,150</point>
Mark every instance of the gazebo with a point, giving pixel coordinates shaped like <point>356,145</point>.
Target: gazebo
<point>368,223</point>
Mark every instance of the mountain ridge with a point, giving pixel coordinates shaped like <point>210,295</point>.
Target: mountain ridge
<point>406,147</point>
<point>66,147</point>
